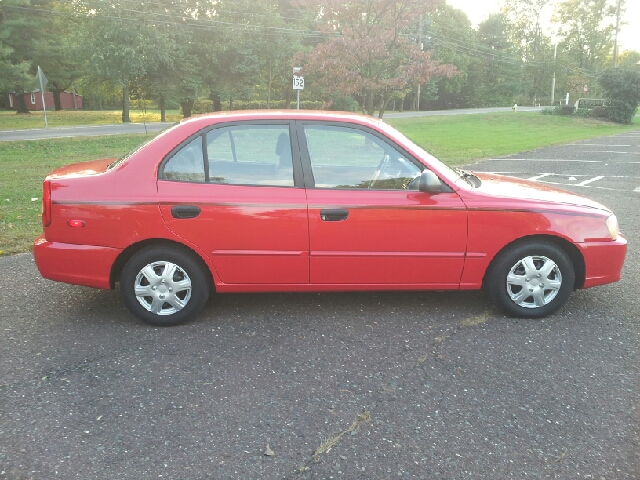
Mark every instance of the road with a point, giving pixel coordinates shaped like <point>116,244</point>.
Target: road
<point>378,385</point>
<point>82,131</point>
<point>117,129</point>
<point>461,111</point>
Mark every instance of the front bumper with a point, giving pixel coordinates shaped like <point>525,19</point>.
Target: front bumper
<point>603,261</point>
<point>86,265</point>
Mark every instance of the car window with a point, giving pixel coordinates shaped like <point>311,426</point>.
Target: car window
<point>250,155</point>
<point>344,157</point>
<point>187,164</point>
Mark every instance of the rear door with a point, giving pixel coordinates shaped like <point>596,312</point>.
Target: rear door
<point>236,192</point>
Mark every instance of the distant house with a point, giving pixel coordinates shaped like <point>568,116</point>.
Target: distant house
<point>33,100</point>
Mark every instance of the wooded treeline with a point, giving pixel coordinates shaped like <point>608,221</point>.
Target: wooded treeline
<point>368,54</point>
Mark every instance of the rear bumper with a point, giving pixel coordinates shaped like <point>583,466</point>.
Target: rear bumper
<point>86,265</point>
<point>603,261</point>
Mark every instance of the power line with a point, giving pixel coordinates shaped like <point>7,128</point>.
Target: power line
<point>186,22</point>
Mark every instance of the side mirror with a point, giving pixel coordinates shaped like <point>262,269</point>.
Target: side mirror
<point>429,182</point>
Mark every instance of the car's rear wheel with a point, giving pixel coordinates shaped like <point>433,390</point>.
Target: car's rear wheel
<point>164,286</point>
<point>531,279</point>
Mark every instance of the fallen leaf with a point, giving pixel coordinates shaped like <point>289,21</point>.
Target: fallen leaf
<point>268,452</point>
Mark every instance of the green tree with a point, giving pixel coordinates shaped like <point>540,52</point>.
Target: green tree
<point>629,58</point>
<point>19,24</point>
<point>586,28</point>
<point>121,44</point>
<point>622,93</point>
<point>11,74</point>
<point>41,34</point>
<point>371,56</point>
<point>524,25</point>
<point>452,39</point>
<point>495,72</point>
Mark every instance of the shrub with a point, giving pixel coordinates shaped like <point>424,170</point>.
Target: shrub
<point>344,104</point>
<point>202,106</point>
<point>566,110</point>
<point>549,111</point>
<point>622,93</point>
<point>598,112</point>
<point>584,112</point>
<point>206,106</point>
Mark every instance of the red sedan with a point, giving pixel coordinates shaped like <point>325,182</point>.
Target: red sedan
<point>310,201</point>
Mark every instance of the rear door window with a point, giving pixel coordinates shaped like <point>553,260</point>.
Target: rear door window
<point>250,155</point>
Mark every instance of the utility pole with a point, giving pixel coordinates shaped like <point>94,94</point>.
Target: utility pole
<point>553,82</point>
<point>615,45</point>
<point>417,102</point>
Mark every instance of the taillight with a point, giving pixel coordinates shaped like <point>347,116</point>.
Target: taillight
<point>46,203</point>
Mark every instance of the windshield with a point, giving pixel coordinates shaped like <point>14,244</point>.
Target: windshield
<point>453,174</point>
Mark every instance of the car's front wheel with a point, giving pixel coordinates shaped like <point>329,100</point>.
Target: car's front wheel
<point>531,280</point>
<point>164,286</point>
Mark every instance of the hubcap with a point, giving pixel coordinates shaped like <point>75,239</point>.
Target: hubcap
<point>163,288</point>
<point>534,281</point>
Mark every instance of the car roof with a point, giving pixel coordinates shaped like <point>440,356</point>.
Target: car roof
<point>232,116</point>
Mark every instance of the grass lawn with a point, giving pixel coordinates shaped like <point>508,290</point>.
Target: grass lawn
<point>23,166</point>
<point>459,139</point>
<point>9,120</point>
<point>454,139</point>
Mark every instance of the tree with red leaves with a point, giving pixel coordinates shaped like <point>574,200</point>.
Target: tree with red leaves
<point>372,53</point>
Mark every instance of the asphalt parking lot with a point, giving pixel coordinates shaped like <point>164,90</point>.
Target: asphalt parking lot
<point>354,386</point>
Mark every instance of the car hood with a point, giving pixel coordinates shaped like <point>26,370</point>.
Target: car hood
<point>527,190</point>
<point>93,167</point>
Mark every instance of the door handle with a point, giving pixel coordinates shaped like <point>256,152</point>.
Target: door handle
<point>185,211</point>
<point>333,215</point>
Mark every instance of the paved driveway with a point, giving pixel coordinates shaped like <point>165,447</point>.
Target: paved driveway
<point>378,385</point>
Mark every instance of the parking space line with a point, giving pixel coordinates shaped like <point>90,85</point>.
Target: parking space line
<point>538,177</point>
<point>597,145</point>
<point>578,185</point>
<point>609,151</point>
<point>557,160</point>
<point>568,175</point>
<point>586,182</point>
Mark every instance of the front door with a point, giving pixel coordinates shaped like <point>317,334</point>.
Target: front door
<point>236,192</point>
<point>368,223</point>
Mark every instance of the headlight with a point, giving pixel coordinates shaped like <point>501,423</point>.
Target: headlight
<point>612,225</point>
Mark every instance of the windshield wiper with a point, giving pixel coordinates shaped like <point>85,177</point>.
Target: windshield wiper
<point>469,177</point>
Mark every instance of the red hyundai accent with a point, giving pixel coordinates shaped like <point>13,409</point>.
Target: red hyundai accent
<point>310,201</point>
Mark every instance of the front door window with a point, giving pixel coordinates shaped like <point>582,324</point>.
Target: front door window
<point>348,158</point>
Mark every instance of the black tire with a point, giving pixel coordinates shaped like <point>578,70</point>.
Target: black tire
<point>515,281</point>
<point>175,295</point>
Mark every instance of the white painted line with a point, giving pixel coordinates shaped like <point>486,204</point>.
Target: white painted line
<point>597,145</point>
<point>586,182</point>
<point>543,160</point>
<point>578,185</point>
<point>609,151</point>
<point>637,189</point>
<point>568,175</point>
<point>538,177</point>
